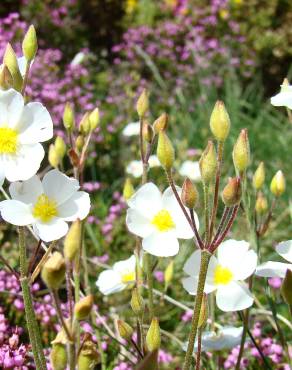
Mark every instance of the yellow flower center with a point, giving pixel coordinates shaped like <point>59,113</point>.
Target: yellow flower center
<point>222,275</point>
<point>163,221</point>
<point>128,277</point>
<point>8,140</point>
<point>45,208</point>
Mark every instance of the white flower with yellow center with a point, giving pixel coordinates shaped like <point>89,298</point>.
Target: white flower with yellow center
<point>190,169</point>
<point>132,129</point>
<point>158,219</point>
<point>277,269</point>
<point>225,274</point>
<point>22,129</point>
<point>47,205</point>
<point>118,277</point>
<point>284,97</point>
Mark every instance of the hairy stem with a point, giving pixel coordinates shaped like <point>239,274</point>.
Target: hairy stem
<point>150,286</point>
<point>198,360</point>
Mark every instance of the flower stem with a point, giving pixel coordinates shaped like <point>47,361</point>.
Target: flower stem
<point>206,211</point>
<point>198,360</point>
<point>150,286</point>
<point>205,258</point>
<point>60,315</point>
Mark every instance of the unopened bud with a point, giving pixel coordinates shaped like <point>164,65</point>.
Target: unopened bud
<point>220,122</point>
<point>79,142</point>
<point>128,190</point>
<point>261,205</point>
<point>160,124</point>
<point>84,125</point>
<point>165,151</point>
<point>231,194</point>
<point>10,60</point>
<point>241,152</point>
<point>142,103</point>
<point>278,184</point>
<point>88,356</point>
<point>147,132</point>
<point>153,338</point>
<point>94,119</point>
<point>60,147</point>
<point>6,79</point>
<point>137,302</point>
<point>204,312</point>
<point>69,117</point>
<point>53,157</point>
<point>74,158</point>
<point>259,177</point>
<point>168,274</point>
<point>208,163</point>
<point>125,330</point>
<point>58,356</point>
<point>83,308</point>
<point>72,241</point>
<point>286,287</point>
<point>189,194</point>
<point>53,271</point>
<point>30,44</point>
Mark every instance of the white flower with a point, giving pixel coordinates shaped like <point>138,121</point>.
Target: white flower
<point>132,129</point>
<point>226,338</point>
<point>22,129</point>
<point>191,170</point>
<point>235,262</point>
<point>284,97</point>
<point>78,59</point>
<point>46,204</point>
<point>118,277</point>
<point>135,168</point>
<point>277,269</point>
<point>158,219</point>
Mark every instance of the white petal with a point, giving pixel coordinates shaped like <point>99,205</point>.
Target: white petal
<point>273,269</point>
<point>233,297</point>
<point>135,168</point>
<point>11,107</point>
<point>283,99</point>
<point>25,164</point>
<point>192,265</point>
<point>2,176</point>
<point>59,186</point>
<point>21,61</point>
<point>147,200</point>
<point>191,284</point>
<point>246,267</point>
<point>77,206</point>
<point>109,281</point>
<point>53,230</point>
<point>138,224</point>
<point>191,170</point>
<point>16,212</point>
<point>35,124</point>
<point>285,250</point>
<point>231,252</point>
<point>26,191</point>
<point>163,244</point>
<point>128,265</point>
<point>132,129</point>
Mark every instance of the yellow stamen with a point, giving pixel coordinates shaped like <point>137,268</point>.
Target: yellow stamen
<point>222,275</point>
<point>8,140</point>
<point>163,221</point>
<point>45,208</point>
<point>128,277</point>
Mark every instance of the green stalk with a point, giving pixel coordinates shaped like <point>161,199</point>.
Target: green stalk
<point>150,285</point>
<point>206,211</point>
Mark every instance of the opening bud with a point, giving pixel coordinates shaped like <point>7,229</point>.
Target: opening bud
<point>53,156</point>
<point>137,302</point>
<point>220,121</point>
<point>88,356</point>
<point>231,194</point>
<point>6,79</point>
<point>94,119</point>
<point>161,123</point>
<point>286,287</point>
<point>69,117</point>
<point>30,44</point>
<point>168,274</point>
<point>203,313</point>
<point>128,190</point>
<point>72,241</point>
<point>241,152</point>
<point>153,338</point>
<point>53,271</point>
<point>60,147</point>
<point>125,330</point>
<point>208,163</point>
<point>83,308</point>
<point>10,60</point>
<point>278,184</point>
<point>259,177</point>
<point>189,194</point>
<point>84,125</point>
<point>165,151</point>
<point>147,132</point>
<point>142,103</point>
<point>261,205</point>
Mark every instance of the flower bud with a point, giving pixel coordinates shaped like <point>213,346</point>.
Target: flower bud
<point>241,152</point>
<point>286,287</point>
<point>208,163</point>
<point>168,274</point>
<point>58,357</point>
<point>83,308</point>
<point>220,122</point>
<point>6,79</point>
<point>204,312</point>
<point>189,194</point>
<point>53,156</point>
<point>88,356</point>
<point>161,123</point>
<point>79,142</point>
<point>259,177</point>
<point>10,60</point>
<point>165,151</point>
<point>147,132</point>
<point>137,302</point>
<point>231,194</point>
<point>94,119</point>
<point>261,205</point>
<point>128,190</point>
<point>30,44</point>
<point>142,103</point>
<point>53,271</point>
<point>69,117</point>
<point>278,184</point>
<point>153,338</point>
<point>72,241</point>
<point>125,330</point>
<point>60,147</point>
<point>84,125</point>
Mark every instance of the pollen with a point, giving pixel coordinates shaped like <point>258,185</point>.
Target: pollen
<point>222,275</point>
<point>8,140</point>
<point>45,208</point>
<point>128,277</point>
<point>163,221</point>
